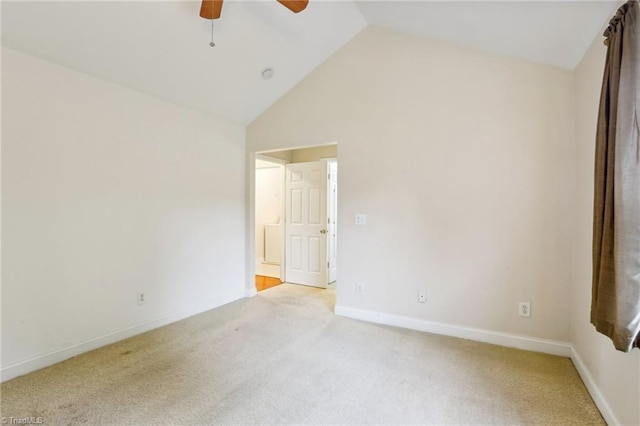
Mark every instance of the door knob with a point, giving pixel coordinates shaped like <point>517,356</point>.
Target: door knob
<point>323,231</point>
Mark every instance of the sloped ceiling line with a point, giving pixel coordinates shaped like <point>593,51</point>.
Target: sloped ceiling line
<point>162,48</point>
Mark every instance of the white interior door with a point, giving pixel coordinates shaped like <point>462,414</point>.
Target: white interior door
<point>332,220</point>
<point>306,223</point>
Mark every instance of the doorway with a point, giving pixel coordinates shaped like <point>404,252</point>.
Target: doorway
<point>304,231</point>
<point>269,180</point>
<point>332,221</point>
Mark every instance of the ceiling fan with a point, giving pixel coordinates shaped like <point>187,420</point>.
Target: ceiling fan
<point>211,9</point>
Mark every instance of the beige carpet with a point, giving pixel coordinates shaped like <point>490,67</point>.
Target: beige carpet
<point>282,357</point>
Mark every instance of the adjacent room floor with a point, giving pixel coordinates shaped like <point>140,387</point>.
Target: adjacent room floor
<point>282,357</point>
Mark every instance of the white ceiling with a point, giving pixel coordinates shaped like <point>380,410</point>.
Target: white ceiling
<point>551,32</point>
<point>162,47</point>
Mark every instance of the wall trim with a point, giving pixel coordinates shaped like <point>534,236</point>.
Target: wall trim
<point>592,388</point>
<point>535,344</point>
<point>552,347</point>
<point>482,335</point>
<point>59,355</point>
<point>250,292</point>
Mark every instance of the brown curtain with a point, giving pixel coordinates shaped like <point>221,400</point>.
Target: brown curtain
<point>615,305</point>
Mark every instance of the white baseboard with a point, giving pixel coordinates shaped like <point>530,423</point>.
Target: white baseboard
<point>497,338</point>
<point>481,335</point>
<point>488,336</point>
<point>593,389</point>
<point>53,357</point>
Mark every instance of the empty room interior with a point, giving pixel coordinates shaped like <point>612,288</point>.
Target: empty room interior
<point>322,212</point>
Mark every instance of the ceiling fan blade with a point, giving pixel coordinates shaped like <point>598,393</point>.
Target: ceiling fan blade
<point>294,5</point>
<point>211,9</point>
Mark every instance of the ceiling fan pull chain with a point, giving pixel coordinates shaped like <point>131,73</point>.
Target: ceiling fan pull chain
<point>212,44</point>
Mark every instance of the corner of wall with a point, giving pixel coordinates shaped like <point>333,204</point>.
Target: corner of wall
<point>611,377</point>
<point>593,389</point>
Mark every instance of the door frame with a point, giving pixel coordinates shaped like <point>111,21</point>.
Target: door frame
<point>283,163</point>
<point>331,198</point>
<point>249,289</point>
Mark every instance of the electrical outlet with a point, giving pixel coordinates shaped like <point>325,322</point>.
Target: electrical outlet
<point>361,219</point>
<point>141,298</point>
<point>524,309</point>
<point>359,288</point>
<point>422,296</point>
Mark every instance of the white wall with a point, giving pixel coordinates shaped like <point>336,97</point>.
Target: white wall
<point>108,192</point>
<point>316,153</point>
<point>303,155</point>
<point>463,162</point>
<point>616,374</point>
<point>278,155</point>
<point>268,202</point>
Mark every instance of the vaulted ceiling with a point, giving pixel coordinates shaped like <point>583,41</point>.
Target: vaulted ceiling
<point>162,47</point>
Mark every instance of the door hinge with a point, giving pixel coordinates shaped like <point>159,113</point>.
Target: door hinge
<point>327,264</point>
